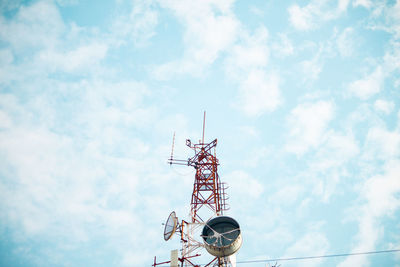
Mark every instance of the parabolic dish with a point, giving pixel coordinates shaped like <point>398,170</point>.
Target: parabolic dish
<point>170,226</point>
<point>222,236</point>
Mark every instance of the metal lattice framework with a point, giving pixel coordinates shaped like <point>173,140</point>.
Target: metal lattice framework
<point>208,198</point>
<point>207,188</point>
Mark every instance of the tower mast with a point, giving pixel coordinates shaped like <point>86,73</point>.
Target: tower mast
<point>208,197</point>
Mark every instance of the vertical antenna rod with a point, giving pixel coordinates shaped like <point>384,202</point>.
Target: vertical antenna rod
<point>204,125</point>
<point>172,150</point>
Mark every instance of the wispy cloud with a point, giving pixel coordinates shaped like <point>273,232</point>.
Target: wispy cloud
<point>314,13</point>
<point>312,243</point>
<point>82,58</point>
<point>381,195</point>
<point>382,143</point>
<point>251,52</point>
<point>384,106</point>
<point>259,93</point>
<point>369,85</point>
<point>345,42</point>
<point>259,88</point>
<point>210,29</point>
<point>363,3</point>
<point>311,68</point>
<point>283,46</point>
<point>35,26</point>
<point>307,125</point>
<point>138,26</point>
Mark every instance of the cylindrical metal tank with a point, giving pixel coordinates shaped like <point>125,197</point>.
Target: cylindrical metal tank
<point>222,236</point>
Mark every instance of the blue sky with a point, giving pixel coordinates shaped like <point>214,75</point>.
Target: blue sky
<point>303,97</point>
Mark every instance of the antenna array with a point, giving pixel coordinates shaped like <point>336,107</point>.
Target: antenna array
<point>208,200</point>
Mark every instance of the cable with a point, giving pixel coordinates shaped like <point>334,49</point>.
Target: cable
<point>182,174</point>
<point>315,257</point>
<point>322,256</point>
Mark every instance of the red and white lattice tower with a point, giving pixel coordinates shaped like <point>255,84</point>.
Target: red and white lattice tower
<point>208,199</point>
<point>207,188</point>
<point>208,196</point>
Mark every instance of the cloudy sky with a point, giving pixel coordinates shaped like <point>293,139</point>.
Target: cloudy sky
<point>303,96</point>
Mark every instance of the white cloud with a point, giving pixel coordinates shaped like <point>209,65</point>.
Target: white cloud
<point>81,59</point>
<point>284,47</point>
<point>259,93</point>
<point>206,36</point>
<point>392,57</point>
<point>251,53</point>
<point>138,26</point>
<point>255,156</point>
<point>345,42</point>
<point>342,5</point>
<point>329,165</point>
<point>367,237</point>
<point>5,121</point>
<point>363,3</point>
<point>311,68</point>
<point>335,151</point>
<point>246,64</point>
<point>385,16</point>
<point>314,13</point>
<point>250,131</point>
<point>383,144</point>
<point>37,25</point>
<point>373,83</point>
<point>384,106</point>
<point>342,146</point>
<point>369,85</point>
<point>257,11</point>
<point>392,14</point>
<point>210,28</point>
<point>287,195</point>
<point>34,155</point>
<point>70,168</point>
<point>307,125</point>
<point>39,44</point>
<point>6,57</point>
<point>67,193</point>
<point>381,193</point>
<point>243,185</point>
<point>301,18</point>
<point>312,243</point>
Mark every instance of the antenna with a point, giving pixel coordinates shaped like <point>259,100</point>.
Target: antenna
<point>172,150</point>
<point>170,226</point>
<point>207,207</point>
<point>204,126</point>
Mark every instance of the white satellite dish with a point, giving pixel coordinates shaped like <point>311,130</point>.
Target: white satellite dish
<point>170,226</point>
<point>222,236</point>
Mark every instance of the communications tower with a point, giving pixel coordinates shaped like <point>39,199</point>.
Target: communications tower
<point>220,234</point>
